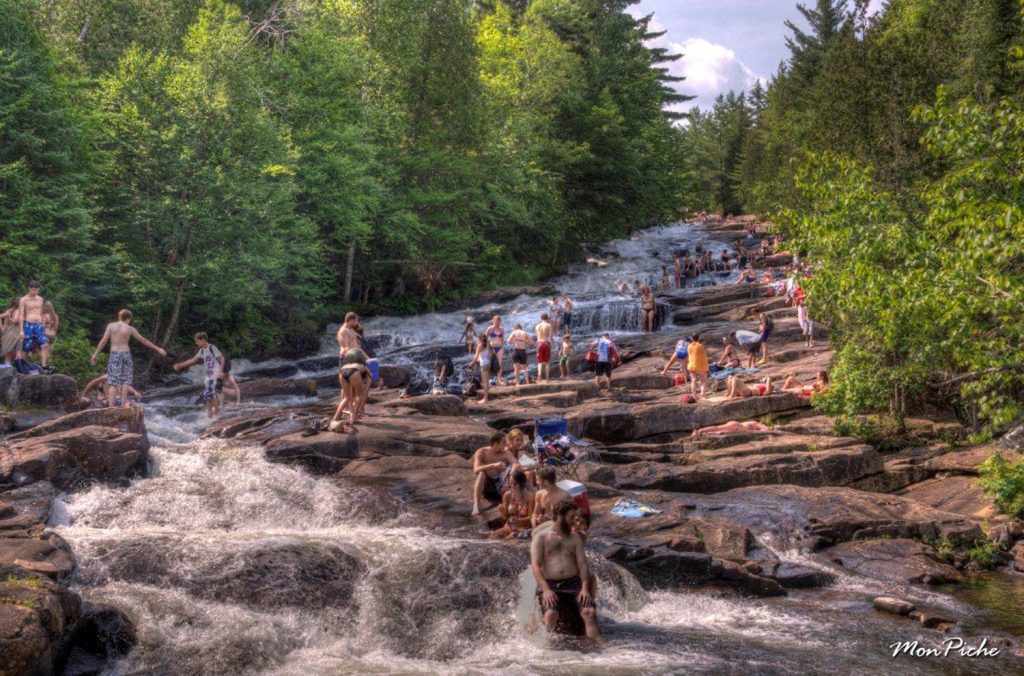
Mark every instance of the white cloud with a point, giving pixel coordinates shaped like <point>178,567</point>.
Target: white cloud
<point>710,69</point>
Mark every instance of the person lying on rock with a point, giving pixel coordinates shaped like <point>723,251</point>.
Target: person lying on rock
<point>559,565</point>
<point>547,496</point>
<point>516,508</point>
<point>730,427</point>
<point>820,384</point>
<point>492,466</point>
<point>736,389</point>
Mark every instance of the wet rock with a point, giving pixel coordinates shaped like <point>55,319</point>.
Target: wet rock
<point>958,494</point>
<point>829,515</point>
<point>898,560</point>
<point>48,555</point>
<point>73,456</point>
<point>395,376</point>
<point>823,468</point>
<point>48,391</point>
<point>35,612</point>
<point>796,576</point>
<point>408,435</point>
<point>891,604</point>
<point>124,419</point>
<point>278,387</point>
<point>102,634</point>
<point>931,620</point>
<point>432,404</point>
<point>25,510</point>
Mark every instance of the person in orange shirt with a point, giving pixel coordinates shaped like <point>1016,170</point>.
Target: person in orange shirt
<point>697,365</point>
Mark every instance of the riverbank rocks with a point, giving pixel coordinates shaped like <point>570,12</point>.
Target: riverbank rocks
<point>70,457</point>
<point>35,614</point>
<point>897,560</point>
<point>50,391</point>
<point>278,387</point>
<point>432,404</point>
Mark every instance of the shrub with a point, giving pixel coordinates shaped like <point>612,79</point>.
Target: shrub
<point>70,355</point>
<point>1003,482</point>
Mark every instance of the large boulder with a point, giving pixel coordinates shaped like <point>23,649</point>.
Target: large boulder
<point>48,391</point>
<point>836,467</point>
<point>432,404</point>
<point>125,419</point>
<point>898,560</point>
<point>957,494</point>
<point>24,511</point>
<point>35,613</point>
<point>48,555</point>
<point>814,518</point>
<point>614,423</point>
<point>398,435</point>
<point>71,457</point>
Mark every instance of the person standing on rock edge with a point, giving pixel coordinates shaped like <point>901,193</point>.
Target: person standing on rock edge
<point>559,566</point>
<point>564,355</point>
<point>697,365</point>
<point>468,337</point>
<point>32,330</point>
<point>120,370</point>
<point>544,332</point>
<point>567,306</point>
<point>213,367</point>
<point>648,308</point>
<point>604,346</point>
<point>520,340</point>
<point>678,272</point>
<point>484,356</point>
<point>496,339</point>
<point>556,312</point>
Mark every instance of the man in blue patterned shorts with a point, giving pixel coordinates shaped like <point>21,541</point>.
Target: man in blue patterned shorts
<point>33,332</point>
<point>120,371</point>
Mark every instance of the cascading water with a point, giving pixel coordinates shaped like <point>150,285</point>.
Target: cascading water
<point>226,563</point>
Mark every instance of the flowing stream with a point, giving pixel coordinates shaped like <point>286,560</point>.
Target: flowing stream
<point>227,564</point>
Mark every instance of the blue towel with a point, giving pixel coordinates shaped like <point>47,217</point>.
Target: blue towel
<point>631,509</point>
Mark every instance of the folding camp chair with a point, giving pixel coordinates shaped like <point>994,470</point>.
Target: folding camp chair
<point>566,461</point>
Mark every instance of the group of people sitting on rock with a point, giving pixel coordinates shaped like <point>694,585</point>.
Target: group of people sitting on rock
<point>533,506</point>
<point>28,327</point>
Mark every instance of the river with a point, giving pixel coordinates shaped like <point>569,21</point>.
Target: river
<point>229,564</point>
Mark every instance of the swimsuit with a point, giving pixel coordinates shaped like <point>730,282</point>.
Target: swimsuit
<point>486,357</point>
<point>349,369</point>
<point>519,356</point>
<point>35,337</point>
<point>211,365</point>
<point>543,353</point>
<point>564,359</point>
<point>566,593</point>
<point>120,370</point>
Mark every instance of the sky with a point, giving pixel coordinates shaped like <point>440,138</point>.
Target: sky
<point>726,44</point>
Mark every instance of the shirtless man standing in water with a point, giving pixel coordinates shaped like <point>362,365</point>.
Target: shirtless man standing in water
<point>544,332</point>
<point>559,565</point>
<point>120,371</point>
<point>33,332</point>
<point>519,340</point>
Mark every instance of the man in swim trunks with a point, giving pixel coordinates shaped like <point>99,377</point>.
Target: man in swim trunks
<point>604,346</point>
<point>492,466</point>
<point>213,366</point>
<point>519,340</point>
<point>559,565</point>
<point>120,370</point>
<point>33,330</point>
<point>765,327</point>
<point>567,306</point>
<point>564,355</point>
<point>544,332</point>
<point>496,339</point>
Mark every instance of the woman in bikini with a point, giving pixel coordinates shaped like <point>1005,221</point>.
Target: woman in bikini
<point>496,339</point>
<point>353,376</point>
<point>732,426</point>
<point>820,384</point>
<point>516,508</point>
<point>483,356</point>
<point>737,390</point>
<point>648,307</point>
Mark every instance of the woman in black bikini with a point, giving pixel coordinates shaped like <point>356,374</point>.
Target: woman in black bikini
<point>648,306</point>
<point>353,376</point>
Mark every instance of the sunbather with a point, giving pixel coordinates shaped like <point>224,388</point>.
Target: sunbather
<point>732,426</point>
<point>738,390</point>
<point>820,384</point>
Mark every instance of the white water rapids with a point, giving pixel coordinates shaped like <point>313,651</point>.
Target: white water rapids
<point>228,564</point>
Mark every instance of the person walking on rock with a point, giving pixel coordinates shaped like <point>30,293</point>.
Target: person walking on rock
<point>120,370</point>
<point>33,328</point>
<point>213,366</point>
<point>697,365</point>
<point>520,340</point>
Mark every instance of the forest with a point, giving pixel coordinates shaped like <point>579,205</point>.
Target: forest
<point>255,169</point>
<point>890,147</point>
